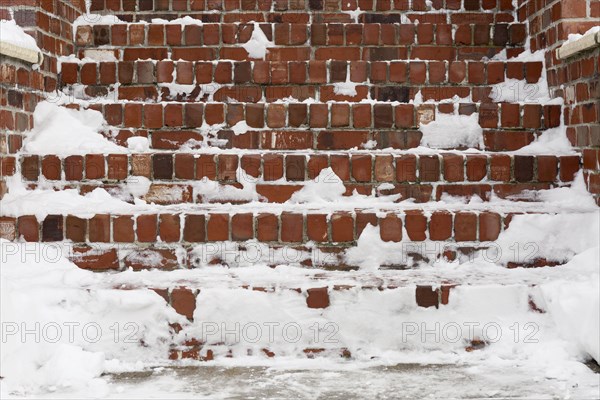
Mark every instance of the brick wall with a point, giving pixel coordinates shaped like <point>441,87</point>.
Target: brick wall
<point>575,79</point>
<point>21,85</point>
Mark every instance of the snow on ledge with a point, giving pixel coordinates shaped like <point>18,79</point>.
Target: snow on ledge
<point>14,42</point>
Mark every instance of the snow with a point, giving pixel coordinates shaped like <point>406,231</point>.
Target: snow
<point>12,33</point>
<point>240,128</point>
<point>354,14</point>
<point>347,88</point>
<point>452,131</point>
<point>519,91</point>
<point>187,20</point>
<point>258,44</point>
<point>78,329</point>
<point>325,188</point>
<point>380,328</point>
<point>44,201</point>
<point>138,144</point>
<point>62,131</point>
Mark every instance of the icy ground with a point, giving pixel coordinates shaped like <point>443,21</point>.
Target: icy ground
<point>344,381</point>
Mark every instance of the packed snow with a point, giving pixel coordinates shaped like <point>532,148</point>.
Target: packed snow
<point>450,131</point>
<point>62,131</point>
<point>12,33</point>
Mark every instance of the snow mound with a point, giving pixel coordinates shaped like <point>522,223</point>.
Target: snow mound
<point>62,131</point>
<point>12,33</point>
<point>325,188</point>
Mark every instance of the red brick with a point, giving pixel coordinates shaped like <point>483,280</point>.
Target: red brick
<point>242,227</point>
<point>74,168</point>
<point>51,167</point>
<point>183,301</point>
<point>272,167</point>
<point>52,228</point>
<point>99,228</point>
<point>416,225</point>
<point>318,115</point>
<point>532,116</point>
<point>316,163</point>
<point>510,115</point>
<point>94,166</point>
<point>500,167</point>
<point>569,165</point>
<point>118,166</point>
<point>123,229</point>
<point>340,115</point>
<point>524,168</point>
<point>489,226</point>
<point>384,168</point>
<point>476,168</point>
<point>146,228</point>
<point>454,170</point>
<point>405,116</point>
<point>317,298</point>
<point>390,228</point>
<point>291,227</point>
<point>218,227</point>
<point>342,227</point>
<point>295,167</point>
<point>440,225</point>
<point>429,168</point>
<point>361,115</point>
<point>194,230</point>
<point>228,165</point>
<point>316,227</point>
<point>547,168</point>
<point>465,226</point>
<point>267,227</point>
<point>406,168</point>
<point>426,296</point>
<point>169,227</point>
<point>153,116</point>
<point>361,167</point>
<point>29,228</point>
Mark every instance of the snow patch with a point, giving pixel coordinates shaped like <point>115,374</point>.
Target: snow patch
<point>451,131</point>
<point>62,131</point>
<point>258,44</point>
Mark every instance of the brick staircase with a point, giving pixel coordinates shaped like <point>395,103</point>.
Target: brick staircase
<point>339,98</point>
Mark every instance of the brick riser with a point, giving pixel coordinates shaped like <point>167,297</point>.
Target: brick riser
<point>336,126</point>
<point>388,81</point>
<point>301,11</point>
<point>421,177</point>
<point>112,242</point>
<point>298,41</point>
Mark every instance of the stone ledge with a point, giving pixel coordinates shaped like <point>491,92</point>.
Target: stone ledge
<point>21,53</point>
<point>578,46</point>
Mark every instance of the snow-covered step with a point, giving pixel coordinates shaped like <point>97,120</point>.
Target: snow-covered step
<point>297,42</point>
<point>475,318</point>
<point>313,236</point>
